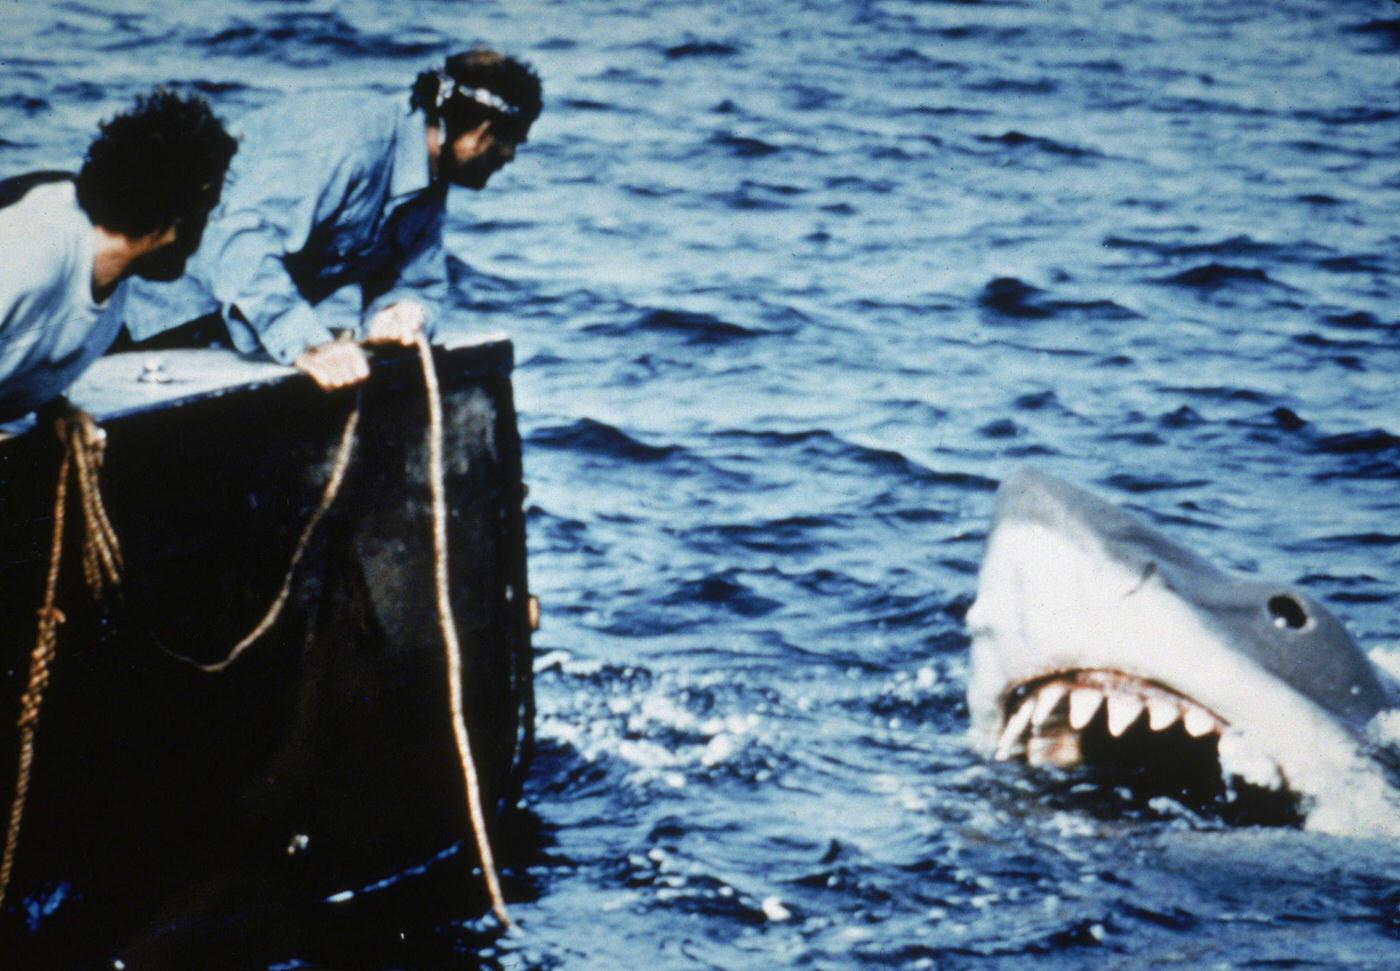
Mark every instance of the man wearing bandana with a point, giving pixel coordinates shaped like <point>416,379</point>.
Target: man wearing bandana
<point>335,190</point>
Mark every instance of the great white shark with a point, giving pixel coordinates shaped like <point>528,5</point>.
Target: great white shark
<point>1098,640</point>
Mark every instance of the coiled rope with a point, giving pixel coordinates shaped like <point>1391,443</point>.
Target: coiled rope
<point>83,440</point>
<point>83,443</point>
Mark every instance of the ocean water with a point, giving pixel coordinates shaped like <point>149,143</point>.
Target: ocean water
<point>792,286</point>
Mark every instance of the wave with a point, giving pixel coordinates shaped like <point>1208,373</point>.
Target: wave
<point>487,226</point>
<point>860,184</point>
<point>1195,107</point>
<point>1332,147</point>
<point>599,439</point>
<point>1373,597</point>
<point>1368,454</point>
<point>1361,320</point>
<point>1000,428</point>
<point>559,534</point>
<point>83,91</point>
<point>650,191</point>
<point>741,146</point>
<point>1019,139</point>
<point>1214,276</point>
<point>311,36</point>
<point>216,89</point>
<point>1015,86</point>
<point>1040,401</point>
<point>1232,247</point>
<point>1345,540</point>
<point>700,48</point>
<point>25,104</point>
<point>695,329</point>
<point>1356,263</point>
<point>1011,297</point>
<point>820,444</point>
<point>809,97</point>
<point>1182,417</point>
<point>1377,470</point>
<point>789,535</point>
<point>745,199</point>
<point>1287,419</point>
<point>1385,32</point>
<point>1318,342</point>
<point>993,36</point>
<point>1350,115</point>
<point>584,104</point>
<point>1144,484</point>
<point>627,76</point>
<point>721,590</point>
<point>1370,441</point>
<point>1218,392</point>
<point>909,56</point>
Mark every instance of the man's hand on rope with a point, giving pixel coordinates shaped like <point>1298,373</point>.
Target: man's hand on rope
<point>399,323</point>
<point>334,364</point>
<point>341,363</point>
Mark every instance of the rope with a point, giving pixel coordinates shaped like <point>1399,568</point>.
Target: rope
<point>102,555</point>
<point>448,626</point>
<point>337,476</point>
<point>82,443</point>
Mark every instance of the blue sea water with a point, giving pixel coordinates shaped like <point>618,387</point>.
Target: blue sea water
<point>792,286</point>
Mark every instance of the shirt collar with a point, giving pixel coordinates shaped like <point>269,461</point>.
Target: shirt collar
<point>410,155</point>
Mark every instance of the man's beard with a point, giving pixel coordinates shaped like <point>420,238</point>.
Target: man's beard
<point>472,175</point>
<point>168,263</point>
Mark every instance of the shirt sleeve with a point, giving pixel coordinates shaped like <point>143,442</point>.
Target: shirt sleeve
<point>421,273</point>
<point>269,213</point>
<point>31,261</point>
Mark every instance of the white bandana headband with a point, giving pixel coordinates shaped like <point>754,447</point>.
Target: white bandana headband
<point>448,88</point>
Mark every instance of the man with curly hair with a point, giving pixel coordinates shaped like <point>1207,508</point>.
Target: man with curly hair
<point>337,190</point>
<point>137,207</point>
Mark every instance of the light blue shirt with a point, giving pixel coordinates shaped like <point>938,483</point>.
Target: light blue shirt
<point>327,190</point>
<point>51,329</point>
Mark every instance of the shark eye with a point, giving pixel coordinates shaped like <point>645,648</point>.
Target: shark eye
<point>1287,612</point>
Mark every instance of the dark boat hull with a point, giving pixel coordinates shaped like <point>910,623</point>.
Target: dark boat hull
<point>165,797</point>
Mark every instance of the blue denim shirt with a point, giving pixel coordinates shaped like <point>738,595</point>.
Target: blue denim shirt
<point>327,189</point>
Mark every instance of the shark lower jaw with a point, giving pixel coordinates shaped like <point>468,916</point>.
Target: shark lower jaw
<point>1143,732</point>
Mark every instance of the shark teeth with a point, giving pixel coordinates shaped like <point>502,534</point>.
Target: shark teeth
<point>1199,722</point>
<point>1046,701</point>
<point>1049,716</point>
<point>1123,710</point>
<point>1083,706</point>
<point>1162,713</point>
<point>1015,728</point>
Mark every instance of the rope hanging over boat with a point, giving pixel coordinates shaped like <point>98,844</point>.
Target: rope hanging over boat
<point>83,441</point>
<point>449,631</point>
<point>274,610</point>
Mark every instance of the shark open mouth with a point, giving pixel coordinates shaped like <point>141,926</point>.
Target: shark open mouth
<point>1143,734</point>
<point>1101,647</point>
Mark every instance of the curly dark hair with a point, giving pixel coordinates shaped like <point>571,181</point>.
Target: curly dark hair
<point>160,163</point>
<point>515,82</point>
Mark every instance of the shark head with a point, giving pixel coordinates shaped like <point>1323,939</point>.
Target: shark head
<point>1098,640</point>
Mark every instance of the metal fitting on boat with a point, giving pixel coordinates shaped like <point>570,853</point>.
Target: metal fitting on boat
<point>153,372</point>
